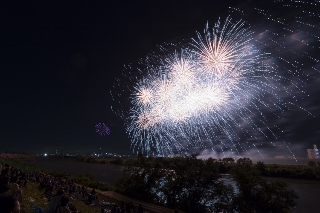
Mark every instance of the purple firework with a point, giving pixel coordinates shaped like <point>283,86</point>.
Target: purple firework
<point>102,129</point>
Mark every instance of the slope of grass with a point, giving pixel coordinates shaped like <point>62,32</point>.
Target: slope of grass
<point>32,196</point>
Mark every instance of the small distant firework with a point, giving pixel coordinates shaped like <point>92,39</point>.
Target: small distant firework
<point>102,129</point>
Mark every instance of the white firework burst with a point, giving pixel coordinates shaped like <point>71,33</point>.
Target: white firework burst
<point>208,95</point>
<point>189,95</point>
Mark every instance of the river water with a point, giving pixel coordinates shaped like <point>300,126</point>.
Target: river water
<point>101,172</point>
<point>307,190</point>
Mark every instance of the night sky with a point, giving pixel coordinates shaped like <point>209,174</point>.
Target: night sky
<point>59,61</point>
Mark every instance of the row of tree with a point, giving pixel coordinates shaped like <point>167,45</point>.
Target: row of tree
<point>194,185</point>
<point>224,165</point>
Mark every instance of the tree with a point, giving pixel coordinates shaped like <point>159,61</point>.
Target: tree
<point>224,202</point>
<point>211,160</point>
<point>244,161</point>
<point>138,183</point>
<point>261,167</point>
<point>190,184</point>
<point>311,163</point>
<point>194,185</point>
<point>223,168</point>
<point>141,159</point>
<point>118,161</point>
<point>228,160</point>
<point>258,195</point>
<point>91,160</point>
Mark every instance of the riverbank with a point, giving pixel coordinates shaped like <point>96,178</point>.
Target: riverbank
<point>109,172</point>
<point>34,200</point>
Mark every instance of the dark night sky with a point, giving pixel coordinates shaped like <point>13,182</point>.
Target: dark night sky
<point>58,62</point>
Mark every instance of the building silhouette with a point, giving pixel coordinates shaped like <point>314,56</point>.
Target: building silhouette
<point>313,154</point>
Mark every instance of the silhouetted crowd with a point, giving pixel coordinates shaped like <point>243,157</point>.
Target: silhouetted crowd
<point>57,191</point>
<point>128,208</point>
<point>10,193</point>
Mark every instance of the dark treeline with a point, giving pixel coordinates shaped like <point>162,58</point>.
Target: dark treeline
<point>224,166</point>
<point>308,172</point>
<point>194,185</point>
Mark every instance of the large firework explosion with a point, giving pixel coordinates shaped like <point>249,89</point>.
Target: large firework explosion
<point>218,92</point>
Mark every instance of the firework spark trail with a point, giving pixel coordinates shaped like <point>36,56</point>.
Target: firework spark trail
<point>206,93</point>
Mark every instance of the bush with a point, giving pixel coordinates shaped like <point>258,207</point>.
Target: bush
<point>312,163</point>
<point>261,167</point>
<point>118,161</point>
<point>244,161</point>
<point>91,160</point>
<point>104,162</point>
<point>258,195</point>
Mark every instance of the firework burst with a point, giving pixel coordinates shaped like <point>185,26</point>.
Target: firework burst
<point>102,129</point>
<point>208,95</point>
<point>192,93</point>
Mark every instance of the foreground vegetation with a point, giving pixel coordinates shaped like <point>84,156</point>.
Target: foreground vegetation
<point>194,185</point>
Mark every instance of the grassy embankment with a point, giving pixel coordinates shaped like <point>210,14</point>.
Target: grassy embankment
<point>33,196</point>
